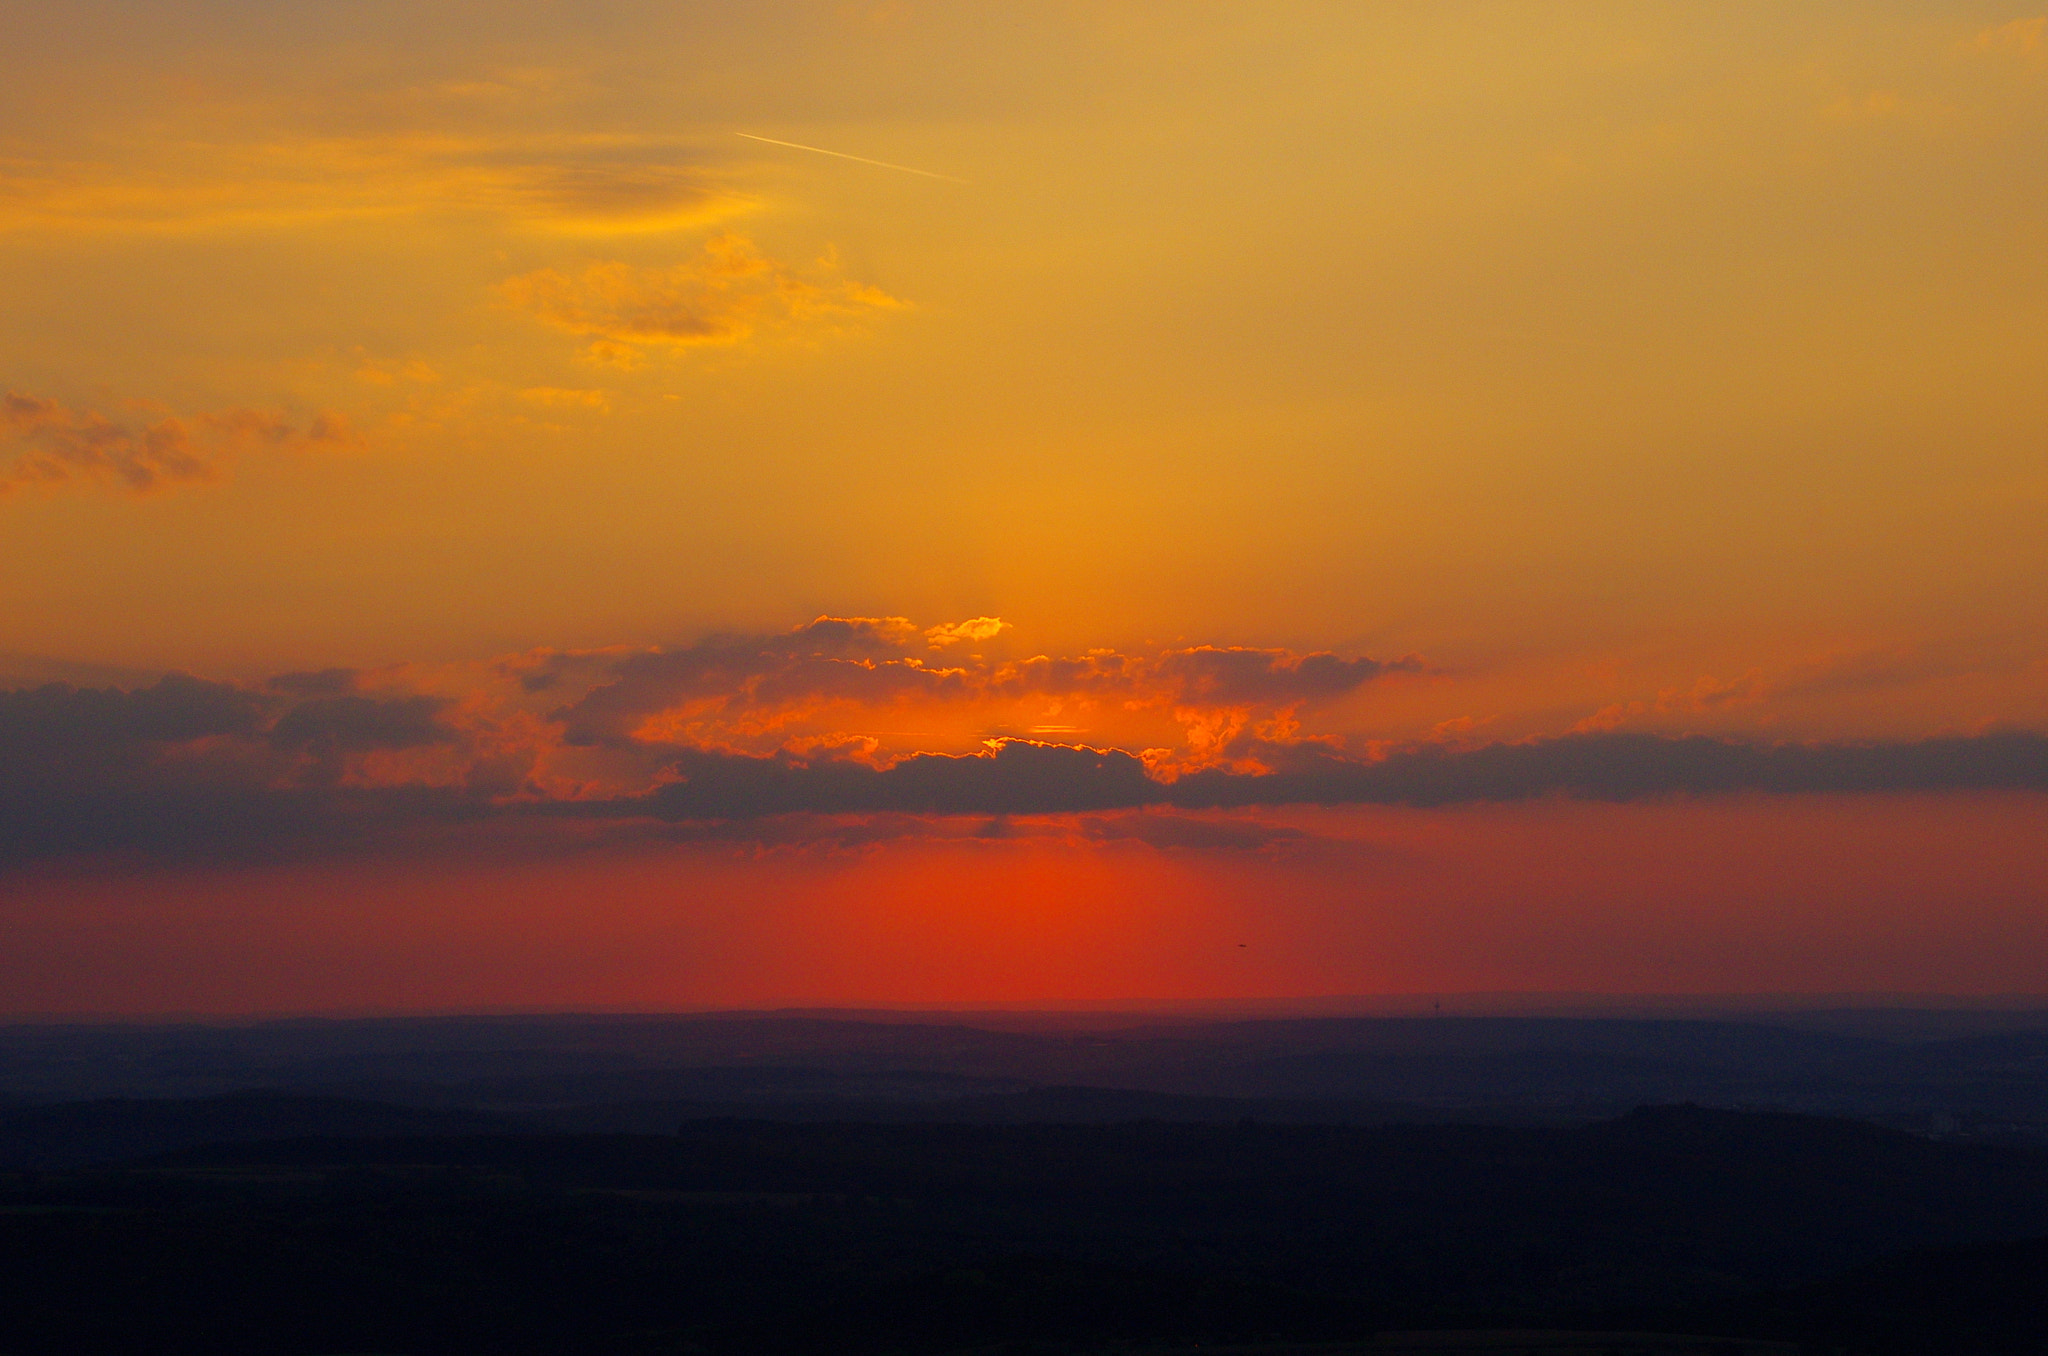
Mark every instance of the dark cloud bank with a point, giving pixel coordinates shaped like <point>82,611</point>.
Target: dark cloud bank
<point>1027,778</point>
<point>187,769</point>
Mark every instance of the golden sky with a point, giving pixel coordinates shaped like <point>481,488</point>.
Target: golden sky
<point>476,406</point>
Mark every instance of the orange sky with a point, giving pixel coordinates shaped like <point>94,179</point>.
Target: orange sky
<point>1435,414</point>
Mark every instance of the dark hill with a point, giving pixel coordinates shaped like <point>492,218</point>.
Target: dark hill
<point>74,1134</point>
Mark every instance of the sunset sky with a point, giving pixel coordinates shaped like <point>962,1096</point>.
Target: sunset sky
<point>1192,502</point>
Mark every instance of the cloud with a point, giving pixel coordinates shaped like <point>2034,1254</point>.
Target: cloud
<point>1707,693</point>
<point>1191,833</point>
<point>1879,670</point>
<point>557,397</point>
<point>755,693</point>
<point>1624,767</point>
<point>18,670</point>
<point>976,629</point>
<point>353,723</point>
<point>723,296</point>
<point>1828,676</point>
<point>54,733</point>
<point>1022,777</point>
<point>57,734</point>
<point>2022,38</point>
<point>733,728</point>
<point>1241,677</point>
<point>53,443</point>
<point>741,683</point>
<point>204,181</point>
<point>187,767</point>
<point>179,803</point>
<point>1014,777</point>
<point>787,736</point>
<point>621,188</point>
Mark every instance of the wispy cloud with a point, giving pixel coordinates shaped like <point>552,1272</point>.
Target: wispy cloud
<point>2024,38</point>
<point>726,293</point>
<point>48,443</point>
<point>580,185</point>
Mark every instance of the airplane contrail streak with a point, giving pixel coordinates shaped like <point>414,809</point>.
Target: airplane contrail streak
<point>820,150</point>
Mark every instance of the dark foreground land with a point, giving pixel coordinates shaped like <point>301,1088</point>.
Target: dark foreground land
<point>857,1184</point>
<point>756,1237</point>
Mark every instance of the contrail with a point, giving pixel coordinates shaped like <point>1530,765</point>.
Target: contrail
<point>820,150</point>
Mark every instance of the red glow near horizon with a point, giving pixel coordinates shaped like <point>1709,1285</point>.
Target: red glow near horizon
<point>1743,895</point>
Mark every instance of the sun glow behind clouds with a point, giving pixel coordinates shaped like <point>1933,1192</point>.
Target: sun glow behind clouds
<point>1875,895</point>
<point>1460,406</point>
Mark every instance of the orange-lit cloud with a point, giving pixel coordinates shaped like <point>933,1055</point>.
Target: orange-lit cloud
<point>974,629</point>
<point>724,295</point>
<point>843,679</point>
<point>51,444</point>
<point>1708,694</point>
<point>2019,37</point>
<point>591,185</point>
<point>764,738</point>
